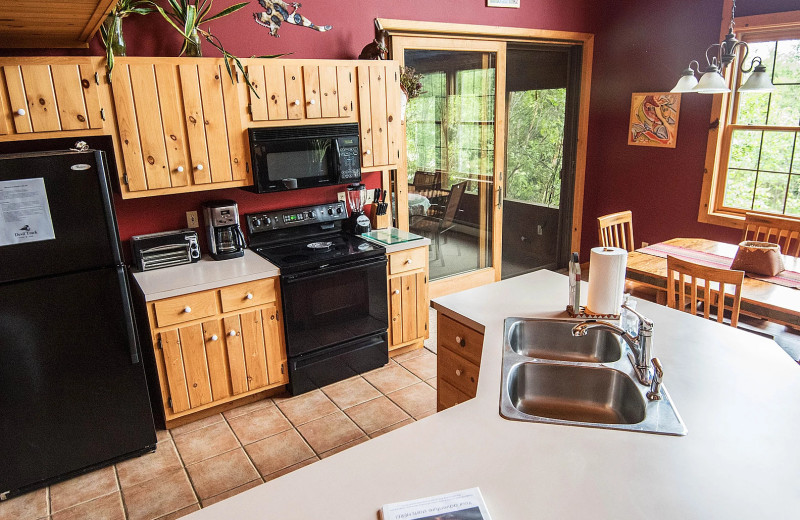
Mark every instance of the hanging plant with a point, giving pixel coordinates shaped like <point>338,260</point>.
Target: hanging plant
<point>411,82</point>
<point>111,29</point>
<point>187,15</point>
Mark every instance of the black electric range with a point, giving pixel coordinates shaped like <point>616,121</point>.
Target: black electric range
<point>333,288</point>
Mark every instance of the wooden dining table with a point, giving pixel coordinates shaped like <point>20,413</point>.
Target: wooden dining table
<point>776,303</point>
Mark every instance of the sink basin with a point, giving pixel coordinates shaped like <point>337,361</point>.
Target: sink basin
<point>552,339</point>
<point>575,393</point>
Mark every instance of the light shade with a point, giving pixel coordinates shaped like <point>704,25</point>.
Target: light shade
<point>711,83</point>
<point>687,82</point>
<point>758,81</point>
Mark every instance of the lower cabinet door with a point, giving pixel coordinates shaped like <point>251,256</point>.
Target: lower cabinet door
<point>236,356</point>
<point>408,308</point>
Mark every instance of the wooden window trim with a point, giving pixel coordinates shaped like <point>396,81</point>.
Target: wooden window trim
<point>766,26</point>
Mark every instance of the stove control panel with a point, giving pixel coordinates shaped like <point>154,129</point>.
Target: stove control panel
<point>295,217</point>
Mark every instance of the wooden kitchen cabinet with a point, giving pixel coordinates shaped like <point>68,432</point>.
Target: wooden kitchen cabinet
<point>180,126</point>
<point>458,361</point>
<point>408,299</point>
<point>379,113</point>
<point>218,346</point>
<point>301,91</point>
<point>53,96</point>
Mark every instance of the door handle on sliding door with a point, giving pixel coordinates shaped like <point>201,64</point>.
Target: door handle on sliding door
<point>499,197</point>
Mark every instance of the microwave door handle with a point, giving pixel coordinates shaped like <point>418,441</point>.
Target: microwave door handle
<point>337,159</point>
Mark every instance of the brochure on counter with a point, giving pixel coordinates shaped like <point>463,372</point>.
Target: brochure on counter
<point>460,505</point>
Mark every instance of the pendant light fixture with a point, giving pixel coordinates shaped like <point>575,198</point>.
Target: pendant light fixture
<point>712,81</point>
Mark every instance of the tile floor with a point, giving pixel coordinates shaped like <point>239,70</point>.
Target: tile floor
<point>206,461</point>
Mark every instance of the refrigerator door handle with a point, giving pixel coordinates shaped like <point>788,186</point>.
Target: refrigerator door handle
<point>126,303</point>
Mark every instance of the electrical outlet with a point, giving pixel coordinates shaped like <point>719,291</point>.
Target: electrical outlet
<point>340,196</point>
<point>191,219</point>
<point>370,197</point>
<point>645,244</point>
<point>539,229</point>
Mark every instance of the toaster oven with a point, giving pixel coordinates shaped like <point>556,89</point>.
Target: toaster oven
<point>165,249</point>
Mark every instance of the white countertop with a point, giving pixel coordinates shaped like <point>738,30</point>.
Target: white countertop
<point>205,274</point>
<point>737,393</point>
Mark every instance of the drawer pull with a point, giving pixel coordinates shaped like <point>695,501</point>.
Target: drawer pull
<point>458,372</point>
<point>232,333</point>
<point>396,291</point>
<point>249,296</point>
<point>21,112</point>
<point>214,337</point>
<point>187,309</point>
<point>460,341</point>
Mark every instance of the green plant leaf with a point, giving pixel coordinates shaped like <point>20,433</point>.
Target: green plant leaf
<point>226,12</point>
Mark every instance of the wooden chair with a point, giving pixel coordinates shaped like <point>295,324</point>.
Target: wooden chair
<point>436,226</point>
<point>616,230</point>
<point>427,180</point>
<point>778,230</point>
<point>683,275</point>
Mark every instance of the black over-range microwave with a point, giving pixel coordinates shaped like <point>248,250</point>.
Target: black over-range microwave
<point>289,158</point>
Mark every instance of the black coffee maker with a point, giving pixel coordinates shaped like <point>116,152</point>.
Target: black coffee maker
<point>356,198</point>
<point>225,239</point>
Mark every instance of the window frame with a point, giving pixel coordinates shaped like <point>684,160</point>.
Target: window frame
<point>755,28</point>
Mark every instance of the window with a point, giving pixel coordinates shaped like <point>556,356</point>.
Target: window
<point>754,162</point>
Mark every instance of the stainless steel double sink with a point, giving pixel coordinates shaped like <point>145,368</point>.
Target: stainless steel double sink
<point>551,376</point>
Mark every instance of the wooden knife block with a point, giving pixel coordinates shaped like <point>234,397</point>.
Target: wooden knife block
<point>379,221</point>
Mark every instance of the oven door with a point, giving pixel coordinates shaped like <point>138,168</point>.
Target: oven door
<point>333,305</point>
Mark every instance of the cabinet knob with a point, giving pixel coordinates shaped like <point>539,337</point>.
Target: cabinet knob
<point>214,337</point>
<point>21,112</point>
<point>232,333</point>
<point>179,169</point>
<point>368,152</point>
<point>249,296</point>
<point>296,102</point>
<point>187,309</point>
<point>460,341</point>
<point>199,167</point>
<point>408,260</point>
<point>458,372</point>
<point>396,291</point>
<point>312,102</point>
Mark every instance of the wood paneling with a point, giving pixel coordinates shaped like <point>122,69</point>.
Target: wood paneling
<point>172,119</point>
<point>328,88</point>
<point>377,82</point>
<point>219,160</point>
<point>311,90</point>
<point>219,372</point>
<point>151,131</point>
<point>17,99</point>
<point>258,103</point>
<point>276,353</point>
<point>295,97</point>
<point>195,365</point>
<point>66,25</point>
<point>69,97</point>
<point>175,374</point>
<point>254,350</point>
<point>195,124</point>
<point>41,98</point>
<point>236,355</point>
<point>345,77</point>
<point>276,92</point>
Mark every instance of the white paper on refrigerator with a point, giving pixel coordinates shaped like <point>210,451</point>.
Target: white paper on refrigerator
<point>24,212</point>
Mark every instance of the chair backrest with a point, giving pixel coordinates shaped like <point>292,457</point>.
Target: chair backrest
<point>424,179</point>
<point>778,230</point>
<point>683,275</point>
<point>453,201</point>
<point>616,230</point>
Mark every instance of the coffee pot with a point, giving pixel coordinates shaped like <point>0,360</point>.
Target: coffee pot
<point>225,239</point>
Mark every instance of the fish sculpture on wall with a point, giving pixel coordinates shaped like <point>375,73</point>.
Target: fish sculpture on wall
<point>277,11</point>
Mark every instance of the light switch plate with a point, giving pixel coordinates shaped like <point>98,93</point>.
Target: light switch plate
<point>191,219</point>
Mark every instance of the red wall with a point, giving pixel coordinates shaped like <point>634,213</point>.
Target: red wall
<point>642,47</point>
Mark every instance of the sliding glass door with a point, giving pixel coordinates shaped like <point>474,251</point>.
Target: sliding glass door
<point>455,156</point>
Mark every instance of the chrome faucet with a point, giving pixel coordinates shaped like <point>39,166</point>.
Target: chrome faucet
<point>641,344</point>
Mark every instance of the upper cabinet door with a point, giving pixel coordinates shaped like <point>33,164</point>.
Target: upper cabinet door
<point>379,113</point>
<point>61,96</point>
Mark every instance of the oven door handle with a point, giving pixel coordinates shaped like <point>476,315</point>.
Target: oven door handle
<point>339,268</point>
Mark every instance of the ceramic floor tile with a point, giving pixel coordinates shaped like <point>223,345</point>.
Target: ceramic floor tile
<point>180,513</point>
<point>196,425</point>
<point>343,447</point>
<point>422,366</point>
<point>158,497</point>
<point>259,424</point>
<point>376,414</point>
<point>329,432</point>
<point>221,473</point>
<point>391,378</point>
<point>150,465</point>
<point>416,399</point>
<point>390,428</point>
<point>432,382</point>
<point>278,452</point>
<point>409,355</point>
<point>350,392</point>
<point>163,435</point>
<point>288,470</point>
<point>205,443</point>
<point>247,408</point>
<point>29,505</point>
<point>108,507</point>
<point>307,407</point>
<point>231,492</point>
<point>82,489</point>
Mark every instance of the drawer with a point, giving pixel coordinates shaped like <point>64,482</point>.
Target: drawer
<point>407,260</point>
<point>447,395</point>
<point>459,338</point>
<point>185,308</point>
<point>457,371</point>
<point>248,294</point>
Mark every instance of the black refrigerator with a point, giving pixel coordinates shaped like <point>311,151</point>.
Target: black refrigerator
<point>73,395</point>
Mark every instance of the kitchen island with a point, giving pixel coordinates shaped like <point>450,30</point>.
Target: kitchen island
<point>737,393</point>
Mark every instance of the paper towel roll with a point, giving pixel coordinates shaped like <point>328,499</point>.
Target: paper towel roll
<point>606,280</point>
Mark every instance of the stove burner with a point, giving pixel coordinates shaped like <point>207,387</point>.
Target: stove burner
<point>320,245</point>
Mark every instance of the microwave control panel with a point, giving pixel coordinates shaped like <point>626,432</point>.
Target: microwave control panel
<point>349,159</point>
<point>294,217</point>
